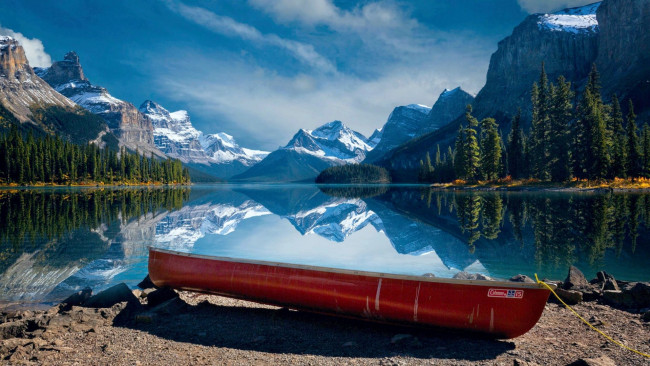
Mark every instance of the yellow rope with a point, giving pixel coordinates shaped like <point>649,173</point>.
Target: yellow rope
<point>589,324</point>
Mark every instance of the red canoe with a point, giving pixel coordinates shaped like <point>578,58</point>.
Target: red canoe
<point>500,309</point>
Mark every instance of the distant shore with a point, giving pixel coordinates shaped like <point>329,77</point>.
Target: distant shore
<point>91,185</point>
<point>617,185</point>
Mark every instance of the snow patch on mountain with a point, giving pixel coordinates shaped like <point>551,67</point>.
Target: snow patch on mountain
<point>572,20</point>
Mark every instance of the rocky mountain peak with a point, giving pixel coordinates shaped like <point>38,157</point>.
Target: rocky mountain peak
<point>13,61</point>
<point>64,71</point>
<point>450,104</point>
<point>154,111</point>
<point>567,43</point>
<point>20,88</point>
<point>331,130</point>
<point>72,57</point>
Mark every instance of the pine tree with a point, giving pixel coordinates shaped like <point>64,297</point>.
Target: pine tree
<point>460,155</point>
<point>540,97</point>
<point>560,115</point>
<point>472,149</point>
<point>490,149</point>
<point>515,150</point>
<point>645,171</point>
<point>619,154</point>
<point>633,150</point>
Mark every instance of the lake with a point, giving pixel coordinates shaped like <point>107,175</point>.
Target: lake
<point>55,241</point>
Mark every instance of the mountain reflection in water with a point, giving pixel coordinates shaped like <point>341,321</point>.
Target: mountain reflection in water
<point>53,242</point>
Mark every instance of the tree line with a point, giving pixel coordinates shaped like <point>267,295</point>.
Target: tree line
<point>354,173</point>
<point>591,140</point>
<point>50,159</point>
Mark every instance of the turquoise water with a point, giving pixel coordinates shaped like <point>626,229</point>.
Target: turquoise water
<point>56,241</point>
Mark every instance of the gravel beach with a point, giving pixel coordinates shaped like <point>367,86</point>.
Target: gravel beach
<point>197,329</point>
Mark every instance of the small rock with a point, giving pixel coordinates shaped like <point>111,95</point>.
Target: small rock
<point>76,299</point>
<point>111,296</point>
<point>518,362</point>
<point>575,279</point>
<point>600,361</point>
<point>147,291</point>
<point>161,295</point>
<point>428,275</point>
<point>570,297</point>
<point>137,293</point>
<point>398,338</point>
<point>522,278</point>
<point>471,276</point>
<point>146,283</point>
<point>595,321</point>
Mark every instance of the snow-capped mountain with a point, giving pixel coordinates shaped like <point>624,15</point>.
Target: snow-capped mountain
<point>217,154</point>
<point>333,141</point>
<point>133,129</point>
<point>174,134</point>
<point>308,153</point>
<point>222,148</point>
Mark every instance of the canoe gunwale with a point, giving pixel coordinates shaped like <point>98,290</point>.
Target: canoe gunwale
<point>488,283</point>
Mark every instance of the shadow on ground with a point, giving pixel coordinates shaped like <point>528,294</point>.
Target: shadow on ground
<point>297,332</point>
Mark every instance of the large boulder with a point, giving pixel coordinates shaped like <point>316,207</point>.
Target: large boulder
<point>575,279</point>
<point>161,295</point>
<point>13,329</point>
<point>146,283</point>
<point>571,297</point>
<point>76,299</point>
<point>471,276</point>
<point>111,296</point>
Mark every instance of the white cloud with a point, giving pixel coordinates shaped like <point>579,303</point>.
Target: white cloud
<point>549,6</point>
<point>377,15</point>
<point>305,53</point>
<point>34,50</point>
<point>263,109</point>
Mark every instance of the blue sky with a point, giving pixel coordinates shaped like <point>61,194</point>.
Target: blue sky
<point>261,69</point>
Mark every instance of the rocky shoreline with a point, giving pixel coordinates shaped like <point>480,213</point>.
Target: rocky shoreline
<point>149,326</point>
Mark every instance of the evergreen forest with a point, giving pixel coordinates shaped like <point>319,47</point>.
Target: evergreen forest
<point>590,140</point>
<point>354,174</point>
<point>51,160</point>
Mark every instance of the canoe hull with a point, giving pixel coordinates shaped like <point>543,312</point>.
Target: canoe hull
<point>499,309</point>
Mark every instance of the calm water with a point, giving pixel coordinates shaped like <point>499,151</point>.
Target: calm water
<point>56,241</point>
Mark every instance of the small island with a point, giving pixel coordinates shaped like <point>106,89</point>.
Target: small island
<point>354,174</point>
